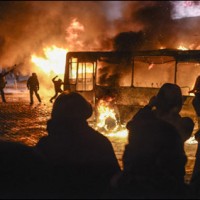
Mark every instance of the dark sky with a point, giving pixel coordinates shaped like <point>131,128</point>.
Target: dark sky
<point>29,26</point>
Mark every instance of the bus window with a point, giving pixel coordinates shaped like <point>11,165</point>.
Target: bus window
<point>85,77</point>
<point>114,74</point>
<point>153,71</point>
<point>72,70</point>
<point>187,73</point>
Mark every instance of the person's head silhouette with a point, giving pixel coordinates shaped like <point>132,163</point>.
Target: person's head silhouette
<point>71,105</point>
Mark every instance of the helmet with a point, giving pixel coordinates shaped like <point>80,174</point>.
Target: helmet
<point>71,105</point>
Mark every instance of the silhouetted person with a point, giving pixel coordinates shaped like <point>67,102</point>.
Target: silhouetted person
<point>195,180</point>
<point>167,106</point>
<point>154,160</point>
<point>196,100</point>
<point>57,87</point>
<point>196,170</point>
<point>23,172</point>
<point>188,126</point>
<point>83,158</point>
<point>3,84</point>
<point>33,86</point>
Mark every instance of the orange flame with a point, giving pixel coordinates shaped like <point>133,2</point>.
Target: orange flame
<point>74,33</point>
<point>181,47</point>
<point>54,60</point>
<point>107,116</point>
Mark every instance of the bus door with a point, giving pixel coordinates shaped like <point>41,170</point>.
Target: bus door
<point>81,77</point>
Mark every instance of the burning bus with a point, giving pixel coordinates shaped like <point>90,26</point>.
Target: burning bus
<point>117,84</point>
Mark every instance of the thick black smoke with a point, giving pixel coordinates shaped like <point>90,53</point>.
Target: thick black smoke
<point>154,19</point>
<point>128,41</point>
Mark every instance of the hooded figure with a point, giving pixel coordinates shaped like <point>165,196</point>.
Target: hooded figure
<point>154,162</point>
<point>154,158</point>
<point>84,159</point>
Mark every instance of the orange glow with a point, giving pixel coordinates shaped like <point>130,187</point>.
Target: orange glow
<point>74,33</point>
<point>181,47</point>
<point>123,133</point>
<point>191,140</point>
<point>162,47</point>
<point>88,69</point>
<point>54,60</point>
<point>107,116</point>
<point>151,66</point>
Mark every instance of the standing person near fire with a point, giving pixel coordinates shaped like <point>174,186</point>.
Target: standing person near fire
<point>196,100</point>
<point>33,86</point>
<point>57,87</point>
<point>3,84</point>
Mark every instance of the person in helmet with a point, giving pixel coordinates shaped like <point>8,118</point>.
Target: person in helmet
<point>83,158</point>
<point>57,87</point>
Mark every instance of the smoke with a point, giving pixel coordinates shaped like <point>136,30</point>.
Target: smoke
<point>27,27</point>
<point>155,19</point>
<point>128,41</point>
<point>185,9</point>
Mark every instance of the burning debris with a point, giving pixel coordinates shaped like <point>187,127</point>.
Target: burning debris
<point>108,115</point>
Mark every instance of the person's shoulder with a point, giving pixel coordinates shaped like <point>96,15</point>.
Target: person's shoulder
<point>42,141</point>
<point>96,134</point>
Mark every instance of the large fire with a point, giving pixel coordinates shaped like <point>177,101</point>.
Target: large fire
<point>107,116</point>
<point>54,60</point>
<point>108,121</point>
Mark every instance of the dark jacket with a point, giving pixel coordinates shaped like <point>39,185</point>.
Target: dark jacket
<point>57,84</point>
<point>154,159</point>
<point>33,83</point>
<point>85,158</point>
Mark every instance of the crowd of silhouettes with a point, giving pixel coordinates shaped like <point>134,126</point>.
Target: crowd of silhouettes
<point>75,161</point>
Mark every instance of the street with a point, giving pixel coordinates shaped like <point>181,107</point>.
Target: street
<point>27,124</point>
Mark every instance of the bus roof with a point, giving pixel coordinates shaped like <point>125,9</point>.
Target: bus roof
<point>179,55</point>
